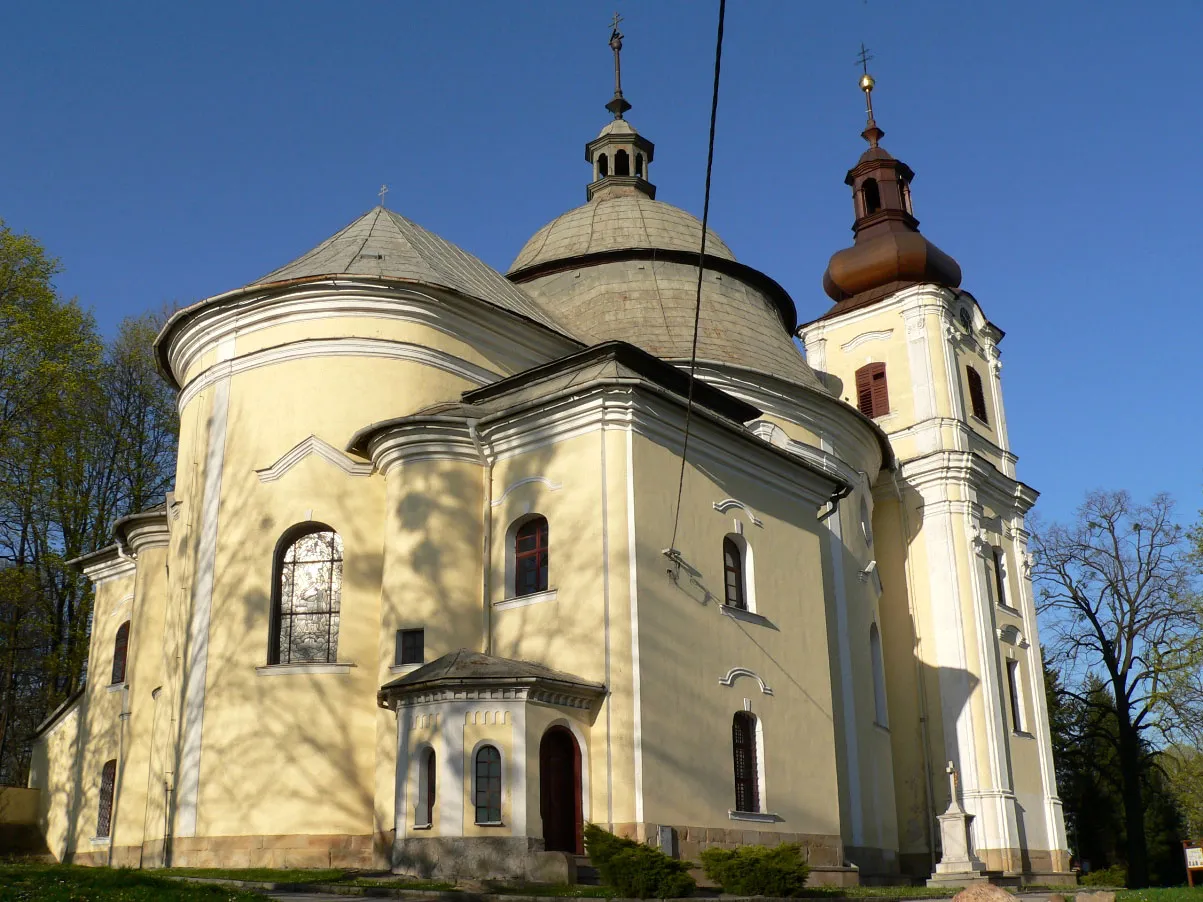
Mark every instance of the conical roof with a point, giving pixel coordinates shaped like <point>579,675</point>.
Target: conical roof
<point>386,245</point>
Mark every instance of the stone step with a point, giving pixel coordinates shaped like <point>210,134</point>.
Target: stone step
<point>586,873</point>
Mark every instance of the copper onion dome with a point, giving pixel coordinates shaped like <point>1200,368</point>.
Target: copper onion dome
<point>888,252</point>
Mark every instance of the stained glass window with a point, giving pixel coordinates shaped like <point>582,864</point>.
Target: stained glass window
<point>309,581</point>
<point>488,785</point>
<point>743,747</point>
<point>108,780</point>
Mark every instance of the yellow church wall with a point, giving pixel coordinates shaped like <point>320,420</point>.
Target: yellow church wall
<point>137,786</point>
<point>53,771</point>
<point>568,632</point>
<point>686,645</point>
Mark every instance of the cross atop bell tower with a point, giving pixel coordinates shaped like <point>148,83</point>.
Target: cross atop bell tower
<point>620,156</point>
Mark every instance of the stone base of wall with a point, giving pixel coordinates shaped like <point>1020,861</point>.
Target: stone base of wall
<point>1033,866</point>
<point>874,863</point>
<point>22,839</point>
<point>332,850</point>
<point>503,857</point>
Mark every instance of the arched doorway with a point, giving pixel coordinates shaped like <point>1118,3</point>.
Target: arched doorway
<point>560,791</point>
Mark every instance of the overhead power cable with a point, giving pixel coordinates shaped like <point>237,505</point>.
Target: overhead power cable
<point>697,309</point>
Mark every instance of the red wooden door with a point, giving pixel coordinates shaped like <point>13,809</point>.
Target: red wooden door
<point>560,791</point>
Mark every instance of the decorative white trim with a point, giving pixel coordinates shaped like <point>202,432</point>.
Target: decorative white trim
<point>99,841</point>
<point>637,704</point>
<point>114,687</point>
<point>728,503</point>
<point>758,817</point>
<point>319,447</point>
<point>736,672</point>
<point>315,668</point>
<point>312,348</point>
<point>522,601</point>
<point>1012,636</point>
<point>746,616</point>
<point>866,337</point>
<point>109,569</point>
<point>551,487</point>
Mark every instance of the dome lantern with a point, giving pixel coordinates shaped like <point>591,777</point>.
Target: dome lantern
<point>620,156</point>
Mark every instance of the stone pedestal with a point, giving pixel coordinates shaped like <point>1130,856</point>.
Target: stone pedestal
<point>958,866</point>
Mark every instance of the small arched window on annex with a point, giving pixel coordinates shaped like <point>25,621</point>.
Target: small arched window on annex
<point>486,784</point>
<point>745,754</point>
<point>307,581</point>
<point>120,653</point>
<point>603,166</point>
<point>872,390</point>
<point>622,163</point>
<point>108,783</point>
<point>427,788</point>
<point>738,587</point>
<point>528,556</point>
<point>872,196</point>
<point>881,715</point>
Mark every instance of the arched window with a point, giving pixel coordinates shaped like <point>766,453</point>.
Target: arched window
<point>108,781</point>
<point>639,165</point>
<point>307,596</point>
<point>427,783</point>
<point>743,751</point>
<point>603,166</point>
<point>872,196</point>
<point>880,714</point>
<point>905,188</point>
<point>735,586</point>
<point>487,788</point>
<point>622,163</point>
<point>530,557</point>
<point>977,396</point>
<point>872,391</point>
<point>120,652</point>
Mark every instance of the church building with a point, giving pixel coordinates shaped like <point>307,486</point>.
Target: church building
<point>427,596</point>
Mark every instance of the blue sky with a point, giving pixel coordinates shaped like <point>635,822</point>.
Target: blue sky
<point>167,152</point>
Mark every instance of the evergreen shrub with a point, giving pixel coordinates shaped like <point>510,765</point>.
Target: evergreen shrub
<point>636,870</point>
<point>758,870</point>
<point>1116,875</point>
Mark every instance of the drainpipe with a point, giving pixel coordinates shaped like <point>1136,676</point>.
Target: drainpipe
<point>123,717</point>
<point>154,722</point>
<point>486,463</point>
<point>930,814</point>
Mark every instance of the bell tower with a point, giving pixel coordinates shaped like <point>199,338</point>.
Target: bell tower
<point>620,156</point>
<point>916,354</point>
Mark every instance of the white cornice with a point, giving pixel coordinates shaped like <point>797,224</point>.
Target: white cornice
<point>310,348</point>
<point>933,472</point>
<point>109,567</point>
<point>498,334</point>
<point>315,446</point>
<point>426,439</point>
<point>917,297</point>
<point>149,534</point>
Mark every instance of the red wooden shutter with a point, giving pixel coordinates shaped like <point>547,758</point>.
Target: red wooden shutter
<point>872,392</point>
<point>977,397</point>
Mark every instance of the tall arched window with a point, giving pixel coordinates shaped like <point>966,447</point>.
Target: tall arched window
<point>872,196</point>
<point>487,788</point>
<point>108,781</point>
<point>427,789</point>
<point>735,577</point>
<point>880,712</point>
<point>530,557</point>
<point>603,166</point>
<point>120,652</point>
<point>307,596</point>
<point>622,163</point>
<point>639,165</point>
<point>743,751</point>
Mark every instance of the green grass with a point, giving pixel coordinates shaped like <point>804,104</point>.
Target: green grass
<point>1166,894</point>
<point>305,875</point>
<point>67,883</point>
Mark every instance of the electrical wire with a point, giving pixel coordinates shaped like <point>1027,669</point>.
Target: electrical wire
<point>697,310</point>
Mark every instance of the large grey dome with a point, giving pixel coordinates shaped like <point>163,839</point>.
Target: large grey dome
<point>625,267</point>
<point>623,222</point>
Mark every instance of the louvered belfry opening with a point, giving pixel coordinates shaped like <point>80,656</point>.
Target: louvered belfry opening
<point>108,780</point>
<point>743,748</point>
<point>872,392</point>
<point>977,395</point>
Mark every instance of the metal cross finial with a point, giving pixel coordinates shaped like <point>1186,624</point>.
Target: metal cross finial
<point>618,105</point>
<point>383,191</point>
<point>864,57</point>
